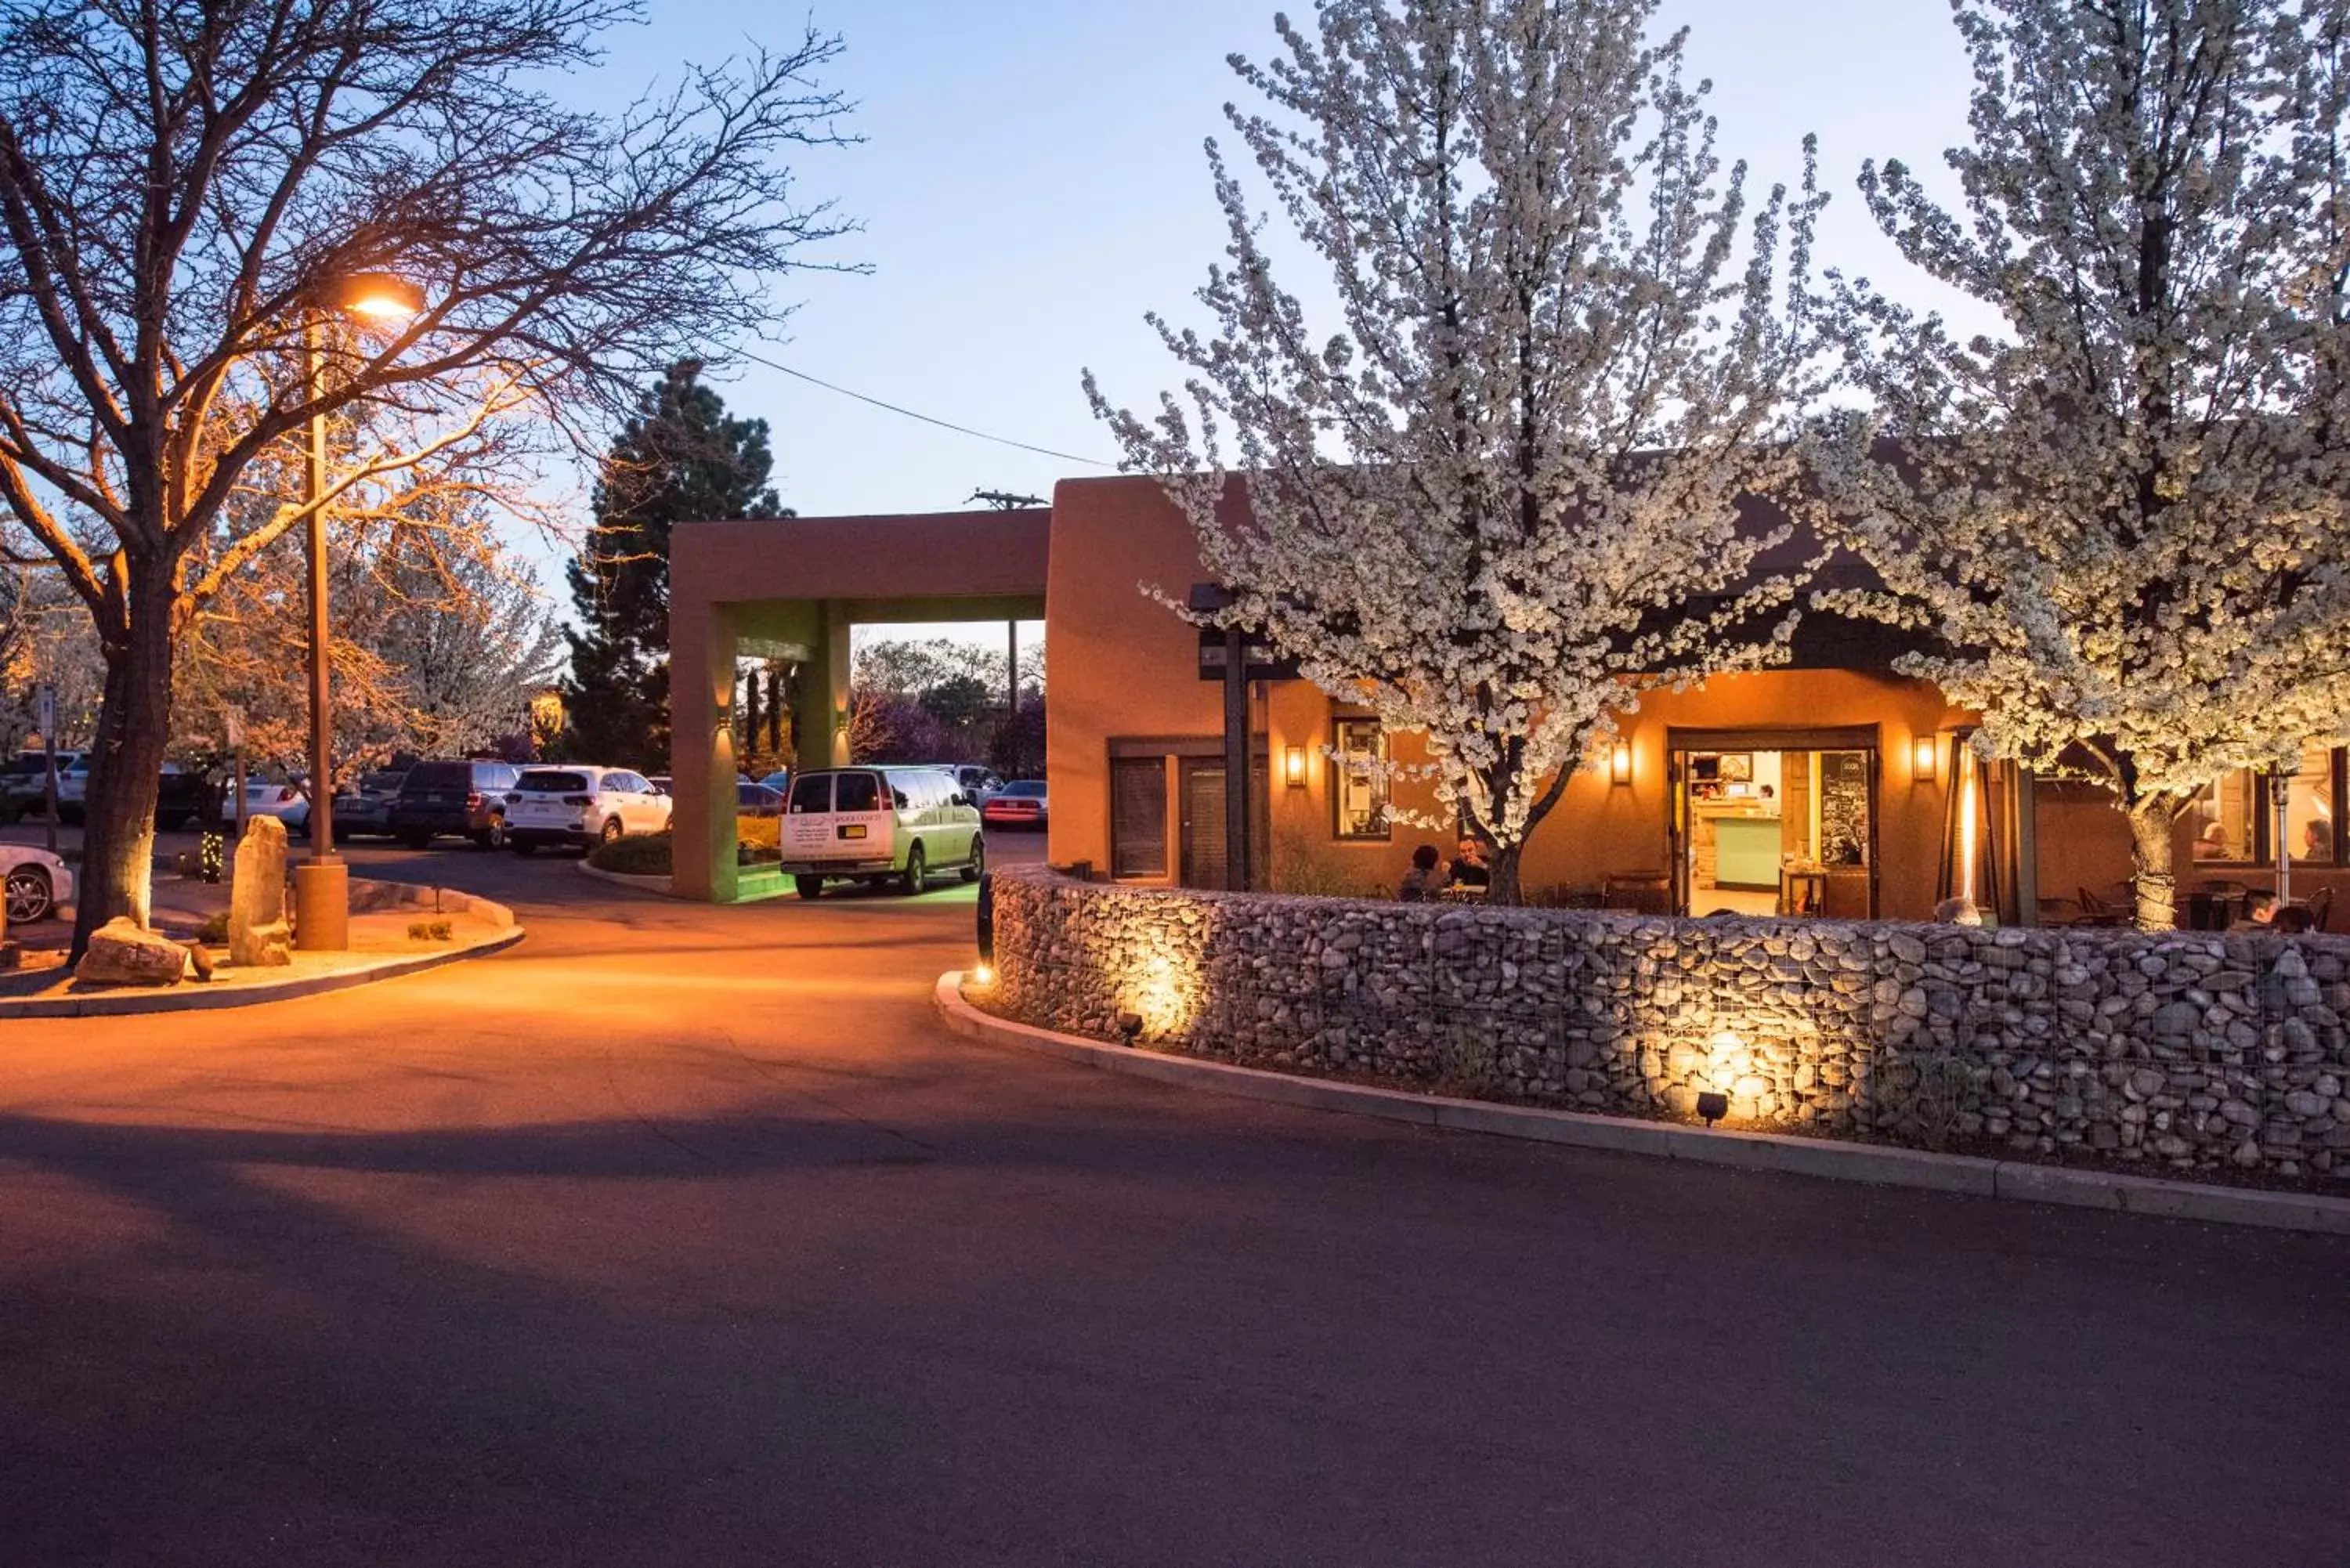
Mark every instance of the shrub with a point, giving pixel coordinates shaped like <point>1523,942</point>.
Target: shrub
<point>427,930</point>
<point>633,855</point>
<point>214,930</point>
<point>758,840</point>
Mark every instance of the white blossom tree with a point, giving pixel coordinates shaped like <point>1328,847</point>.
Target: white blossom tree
<point>2118,522</point>
<point>1503,499</point>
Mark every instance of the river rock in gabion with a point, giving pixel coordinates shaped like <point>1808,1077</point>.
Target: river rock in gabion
<point>2189,1051</point>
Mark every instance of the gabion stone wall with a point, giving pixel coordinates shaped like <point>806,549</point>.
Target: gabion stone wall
<point>2194,1051</point>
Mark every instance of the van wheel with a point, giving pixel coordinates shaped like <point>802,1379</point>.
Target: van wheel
<point>917,877</point>
<point>808,886</point>
<point>978,863</point>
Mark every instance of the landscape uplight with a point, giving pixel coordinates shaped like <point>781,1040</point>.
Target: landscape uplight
<point>1712,1105</point>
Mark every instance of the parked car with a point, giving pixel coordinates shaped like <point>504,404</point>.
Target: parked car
<point>466,797</point>
<point>974,780</point>
<point>757,800</point>
<point>366,806</point>
<point>580,806</point>
<point>24,783</point>
<point>285,800</point>
<point>1020,803</point>
<point>33,882</point>
<point>875,824</point>
<point>179,797</point>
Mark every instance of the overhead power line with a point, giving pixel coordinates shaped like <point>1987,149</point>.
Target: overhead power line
<point>926,418</point>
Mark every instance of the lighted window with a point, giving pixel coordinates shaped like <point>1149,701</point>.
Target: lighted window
<point>2226,819</point>
<point>1360,794</point>
<point>2313,809</point>
<point>2233,822</point>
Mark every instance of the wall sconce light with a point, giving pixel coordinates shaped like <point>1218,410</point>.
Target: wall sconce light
<point>1620,763</point>
<point>1293,767</point>
<point>1712,1105</point>
<point>1923,752</point>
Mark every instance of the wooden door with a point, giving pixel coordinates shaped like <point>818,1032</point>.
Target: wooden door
<point>1204,824</point>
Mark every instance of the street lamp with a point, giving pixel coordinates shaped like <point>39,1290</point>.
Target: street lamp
<point>322,889</point>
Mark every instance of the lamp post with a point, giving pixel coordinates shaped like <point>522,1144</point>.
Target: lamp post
<point>322,889</point>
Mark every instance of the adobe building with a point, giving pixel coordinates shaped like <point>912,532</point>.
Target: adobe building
<point>1832,786</point>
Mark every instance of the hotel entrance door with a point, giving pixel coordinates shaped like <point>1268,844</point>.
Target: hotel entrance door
<point>1773,822</point>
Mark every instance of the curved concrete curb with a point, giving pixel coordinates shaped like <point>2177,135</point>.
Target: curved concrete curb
<point>367,894</point>
<point>660,884</point>
<point>1743,1150</point>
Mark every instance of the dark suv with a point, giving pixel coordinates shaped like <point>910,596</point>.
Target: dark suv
<point>466,799</point>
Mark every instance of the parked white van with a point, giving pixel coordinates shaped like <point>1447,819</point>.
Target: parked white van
<point>874,823</point>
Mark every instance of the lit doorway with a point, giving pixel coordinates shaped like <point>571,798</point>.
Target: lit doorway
<point>1774,822</point>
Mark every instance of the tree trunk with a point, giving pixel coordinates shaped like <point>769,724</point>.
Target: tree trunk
<point>134,723</point>
<point>2150,865</point>
<point>1501,867</point>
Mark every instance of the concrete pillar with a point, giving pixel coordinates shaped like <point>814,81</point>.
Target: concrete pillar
<point>820,711</point>
<point>701,750</point>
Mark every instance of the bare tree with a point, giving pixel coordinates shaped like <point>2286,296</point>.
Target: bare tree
<point>188,189</point>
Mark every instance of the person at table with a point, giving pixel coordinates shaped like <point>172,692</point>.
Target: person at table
<point>2259,908</point>
<point>2213,843</point>
<point>2317,839</point>
<point>2292,920</point>
<point>1421,882</point>
<point>1468,868</point>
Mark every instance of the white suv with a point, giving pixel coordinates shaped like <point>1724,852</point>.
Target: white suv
<point>581,807</point>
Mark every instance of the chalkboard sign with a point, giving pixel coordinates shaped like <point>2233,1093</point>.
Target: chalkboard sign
<point>1843,808</point>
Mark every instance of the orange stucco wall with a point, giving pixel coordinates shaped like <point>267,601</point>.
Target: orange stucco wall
<point>1125,667</point>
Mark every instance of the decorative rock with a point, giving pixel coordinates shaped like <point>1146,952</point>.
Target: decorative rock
<point>258,935</point>
<point>2186,1052</point>
<point>122,952</point>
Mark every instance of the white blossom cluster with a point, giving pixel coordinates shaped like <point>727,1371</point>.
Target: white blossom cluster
<point>2122,520</point>
<point>1503,500</point>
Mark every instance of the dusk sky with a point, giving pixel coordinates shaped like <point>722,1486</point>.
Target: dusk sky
<point>1031,183</point>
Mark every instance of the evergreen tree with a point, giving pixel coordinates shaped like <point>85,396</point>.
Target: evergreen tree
<point>681,460</point>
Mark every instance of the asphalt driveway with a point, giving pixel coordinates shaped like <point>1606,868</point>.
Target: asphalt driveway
<point>681,1235</point>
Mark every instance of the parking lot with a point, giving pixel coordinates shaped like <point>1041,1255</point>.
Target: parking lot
<point>550,879</point>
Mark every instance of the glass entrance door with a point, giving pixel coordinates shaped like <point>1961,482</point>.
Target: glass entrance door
<point>1760,828</point>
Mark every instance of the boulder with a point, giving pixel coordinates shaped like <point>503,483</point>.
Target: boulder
<point>121,953</point>
<point>258,934</point>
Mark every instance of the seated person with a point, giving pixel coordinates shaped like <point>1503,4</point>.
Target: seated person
<point>2259,908</point>
<point>1420,883</point>
<point>2213,843</point>
<point>2317,840</point>
<point>2292,920</point>
<point>1469,868</point>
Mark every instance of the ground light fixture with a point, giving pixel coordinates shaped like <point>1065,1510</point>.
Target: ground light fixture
<point>1129,1024</point>
<point>1712,1105</point>
<point>1293,767</point>
<point>984,931</point>
<point>1620,763</point>
<point>1922,753</point>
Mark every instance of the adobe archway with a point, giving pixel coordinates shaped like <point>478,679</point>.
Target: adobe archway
<point>801,584</point>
